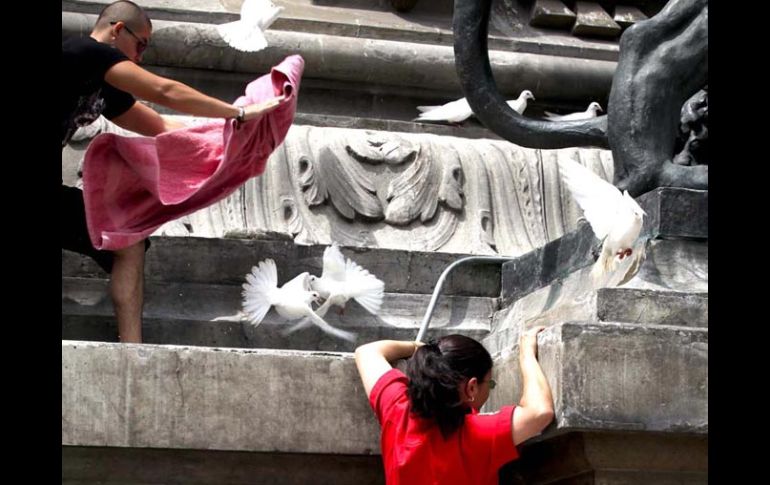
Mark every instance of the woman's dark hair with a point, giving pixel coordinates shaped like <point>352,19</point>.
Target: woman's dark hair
<point>436,370</point>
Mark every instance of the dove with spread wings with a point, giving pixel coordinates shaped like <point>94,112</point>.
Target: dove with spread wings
<point>248,33</point>
<point>615,217</point>
<point>343,279</point>
<point>292,301</point>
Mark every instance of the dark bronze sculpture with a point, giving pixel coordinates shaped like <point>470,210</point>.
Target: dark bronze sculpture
<point>694,130</point>
<point>662,63</point>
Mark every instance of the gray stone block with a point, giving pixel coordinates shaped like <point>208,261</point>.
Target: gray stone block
<point>652,307</point>
<point>677,265</point>
<point>141,466</point>
<point>540,267</point>
<point>612,458</point>
<point>172,397</point>
<point>551,14</point>
<point>626,15</point>
<point>618,377</point>
<point>676,213</point>
<point>593,21</point>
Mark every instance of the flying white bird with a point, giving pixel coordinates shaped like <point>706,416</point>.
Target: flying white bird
<point>615,218</point>
<point>590,112</point>
<point>292,301</point>
<point>248,33</point>
<point>630,266</point>
<point>341,280</point>
<point>460,110</point>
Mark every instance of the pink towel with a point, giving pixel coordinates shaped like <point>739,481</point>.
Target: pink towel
<point>133,185</point>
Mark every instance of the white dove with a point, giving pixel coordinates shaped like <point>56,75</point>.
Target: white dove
<point>291,301</point>
<point>460,110</point>
<point>341,280</point>
<point>615,218</point>
<point>248,33</point>
<point>629,267</point>
<point>590,112</point>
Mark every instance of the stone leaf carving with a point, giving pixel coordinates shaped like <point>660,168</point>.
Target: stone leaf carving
<point>418,190</point>
<point>376,149</point>
<point>291,215</point>
<point>341,180</point>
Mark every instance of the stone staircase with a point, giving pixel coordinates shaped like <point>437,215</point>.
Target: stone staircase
<point>628,361</point>
<point>192,281</point>
<point>211,399</point>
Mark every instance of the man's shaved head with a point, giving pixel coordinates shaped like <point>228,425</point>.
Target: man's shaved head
<point>128,12</point>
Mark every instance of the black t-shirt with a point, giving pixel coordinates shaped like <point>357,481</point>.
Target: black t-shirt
<point>85,95</point>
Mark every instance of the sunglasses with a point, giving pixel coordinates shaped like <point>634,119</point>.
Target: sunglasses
<point>141,44</point>
<point>492,384</point>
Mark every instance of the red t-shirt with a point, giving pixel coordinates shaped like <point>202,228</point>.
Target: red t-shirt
<point>415,452</point>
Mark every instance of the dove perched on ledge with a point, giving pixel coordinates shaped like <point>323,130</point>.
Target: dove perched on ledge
<point>460,110</point>
<point>248,33</point>
<point>615,218</point>
<point>292,301</point>
<point>590,112</point>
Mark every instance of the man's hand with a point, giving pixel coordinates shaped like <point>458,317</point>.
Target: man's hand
<point>258,109</point>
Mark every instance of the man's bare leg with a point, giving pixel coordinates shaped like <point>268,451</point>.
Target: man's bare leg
<point>127,291</point>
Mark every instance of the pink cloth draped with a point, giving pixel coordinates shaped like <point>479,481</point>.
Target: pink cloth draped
<point>133,185</point>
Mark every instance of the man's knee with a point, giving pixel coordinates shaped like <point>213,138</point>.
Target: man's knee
<point>131,252</point>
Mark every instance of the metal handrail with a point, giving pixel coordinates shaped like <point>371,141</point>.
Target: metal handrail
<point>440,284</point>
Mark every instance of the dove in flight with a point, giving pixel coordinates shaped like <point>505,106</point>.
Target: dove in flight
<point>460,110</point>
<point>248,33</point>
<point>590,112</point>
<point>292,301</point>
<point>615,217</point>
<point>629,267</point>
<point>341,280</point>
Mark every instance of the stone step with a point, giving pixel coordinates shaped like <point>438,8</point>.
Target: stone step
<point>225,261</point>
<point>604,376</point>
<point>424,68</point>
<point>671,288</point>
<point>656,307</point>
<point>91,465</point>
<point>207,315</point>
<point>572,298</point>
<point>428,23</point>
<point>680,214</point>
<point>674,271</point>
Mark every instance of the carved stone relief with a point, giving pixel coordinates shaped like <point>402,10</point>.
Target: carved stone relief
<point>403,191</point>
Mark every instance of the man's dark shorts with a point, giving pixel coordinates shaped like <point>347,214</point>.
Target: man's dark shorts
<point>74,231</point>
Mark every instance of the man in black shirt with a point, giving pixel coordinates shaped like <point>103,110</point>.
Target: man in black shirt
<point>101,76</point>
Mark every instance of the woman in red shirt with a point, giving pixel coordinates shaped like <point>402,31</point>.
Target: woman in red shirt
<point>431,430</point>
